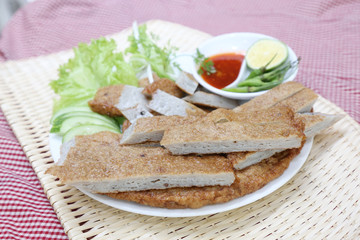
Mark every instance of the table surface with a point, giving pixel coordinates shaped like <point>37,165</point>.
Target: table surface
<point>324,33</point>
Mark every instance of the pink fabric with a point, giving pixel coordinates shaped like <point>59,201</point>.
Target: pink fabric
<point>25,212</point>
<point>325,33</point>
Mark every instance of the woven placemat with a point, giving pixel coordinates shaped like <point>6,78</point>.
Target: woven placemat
<point>320,202</point>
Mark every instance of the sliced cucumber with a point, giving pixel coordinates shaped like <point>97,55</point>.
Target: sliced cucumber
<point>86,129</point>
<point>61,118</point>
<point>80,120</point>
<point>266,52</point>
<point>69,110</point>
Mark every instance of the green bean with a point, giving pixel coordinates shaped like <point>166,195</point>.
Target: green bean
<point>256,73</point>
<point>265,86</point>
<point>252,82</point>
<point>260,80</point>
<point>254,88</point>
<point>260,71</point>
<point>237,89</point>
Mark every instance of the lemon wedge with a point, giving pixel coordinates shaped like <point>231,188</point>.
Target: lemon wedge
<point>269,53</point>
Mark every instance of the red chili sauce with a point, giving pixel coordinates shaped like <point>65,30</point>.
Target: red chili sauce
<point>227,67</point>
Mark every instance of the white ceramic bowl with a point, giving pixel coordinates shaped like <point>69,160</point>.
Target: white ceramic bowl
<point>239,43</point>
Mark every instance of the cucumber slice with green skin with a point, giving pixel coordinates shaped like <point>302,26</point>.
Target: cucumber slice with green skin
<point>69,110</point>
<point>86,129</point>
<point>266,52</point>
<point>80,120</point>
<point>63,126</point>
<point>61,118</point>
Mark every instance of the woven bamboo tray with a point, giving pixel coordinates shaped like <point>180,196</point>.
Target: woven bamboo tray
<point>320,202</point>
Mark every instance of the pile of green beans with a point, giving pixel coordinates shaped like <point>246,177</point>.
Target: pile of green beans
<point>263,79</point>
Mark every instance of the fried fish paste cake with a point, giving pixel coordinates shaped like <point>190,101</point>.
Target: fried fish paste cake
<point>106,99</point>
<point>247,180</point>
<point>165,85</point>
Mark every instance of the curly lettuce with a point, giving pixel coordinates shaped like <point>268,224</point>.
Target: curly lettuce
<point>94,65</point>
<point>144,51</point>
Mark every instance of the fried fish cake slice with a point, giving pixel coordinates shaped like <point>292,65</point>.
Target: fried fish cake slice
<point>272,97</point>
<point>246,181</point>
<point>143,82</point>
<point>165,85</point>
<point>301,102</point>
<point>209,138</point>
<point>314,123</point>
<point>152,129</point>
<point>272,114</point>
<point>105,100</point>
<point>99,164</point>
<point>120,100</point>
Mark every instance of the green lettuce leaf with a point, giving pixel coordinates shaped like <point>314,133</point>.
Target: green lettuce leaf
<point>94,65</point>
<point>144,51</point>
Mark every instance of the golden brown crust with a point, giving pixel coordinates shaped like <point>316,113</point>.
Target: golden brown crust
<point>105,100</point>
<point>231,131</point>
<point>99,138</point>
<point>257,129</point>
<point>158,123</point>
<point>237,157</point>
<point>300,101</point>
<point>271,97</point>
<point>165,85</point>
<point>145,81</point>
<point>272,114</point>
<point>100,157</point>
<point>193,110</point>
<point>309,119</point>
<point>247,181</point>
<point>284,114</point>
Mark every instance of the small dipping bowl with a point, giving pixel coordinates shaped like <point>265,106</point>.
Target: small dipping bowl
<point>236,43</point>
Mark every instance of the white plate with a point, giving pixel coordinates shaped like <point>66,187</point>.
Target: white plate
<point>185,62</point>
<point>238,43</point>
<point>294,167</point>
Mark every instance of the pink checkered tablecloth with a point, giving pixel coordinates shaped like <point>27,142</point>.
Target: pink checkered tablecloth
<point>325,33</point>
